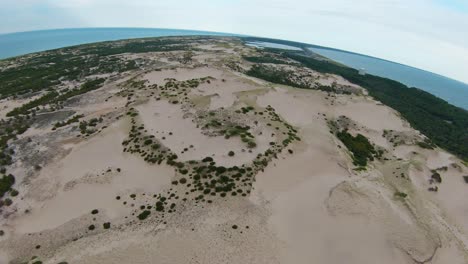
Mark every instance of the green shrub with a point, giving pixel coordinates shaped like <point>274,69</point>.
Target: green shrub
<point>436,177</point>
<point>143,215</point>
<point>14,193</point>
<point>401,194</point>
<point>207,159</point>
<point>5,183</point>
<point>106,225</point>
<point>8,202</point>
<point>231,153</point>
<point>251,144</point>
<point>159,206</point>
<point>359,146</point>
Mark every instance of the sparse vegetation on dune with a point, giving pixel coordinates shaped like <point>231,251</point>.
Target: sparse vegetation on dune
<point>6,182</point>
<point>203,180</point>
<point>72,120</point>
<point>360,147</point>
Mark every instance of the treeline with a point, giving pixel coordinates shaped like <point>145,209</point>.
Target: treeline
<point>134,46</point>
<point>273,75</point>
<point>444,124</point>
<point>284,77</point>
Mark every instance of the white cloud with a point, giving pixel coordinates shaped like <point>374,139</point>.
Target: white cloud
<point>420,33</point>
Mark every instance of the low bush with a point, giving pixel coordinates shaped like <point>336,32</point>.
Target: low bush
<point>359,146</point>
<point>5,183</point>
<point>436,177</point>
<point>143,215</point>
<point>401,194</point>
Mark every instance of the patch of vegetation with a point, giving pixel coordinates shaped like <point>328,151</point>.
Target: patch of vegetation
<point>88,127</point>
<point>6,182</point>
<point>465,178</point>
<point>204,178</point>
<point>401,194</point>
<point>84,88</point>
<point>274,75</point>
<point>14,193</point>
<point>264,59</point>
<point>436,177</point>
<point>426,144</point>
<point>72,120</point>
<point>143,215</point>
<point>286,77</point>
<point>43,100</point>
<point>359,146</point>
<point>7,202</point>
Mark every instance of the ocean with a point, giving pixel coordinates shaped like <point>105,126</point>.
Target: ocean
<point>21,43</point>
<point>450,90</point>
<point>15,44</point>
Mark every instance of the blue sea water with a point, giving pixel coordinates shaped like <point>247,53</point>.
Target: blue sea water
<point>450,90</point>
<point>15,44</point>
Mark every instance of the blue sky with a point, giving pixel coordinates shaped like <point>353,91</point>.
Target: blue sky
<point>458,5</point>
<point>428,34</point>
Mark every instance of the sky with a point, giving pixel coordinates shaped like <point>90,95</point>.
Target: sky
<point>427,34</point>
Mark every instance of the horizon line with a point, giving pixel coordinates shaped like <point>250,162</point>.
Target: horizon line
<point>215,32</point>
